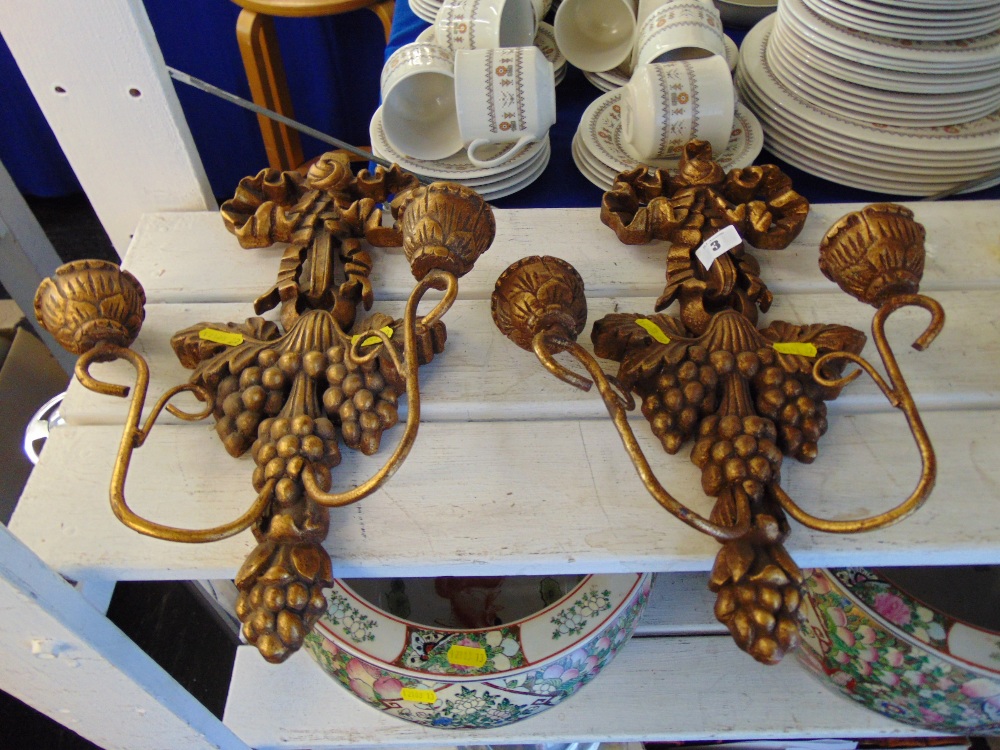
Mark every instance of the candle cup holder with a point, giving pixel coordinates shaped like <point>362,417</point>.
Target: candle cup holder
<point>289,398</point>
<point>747,396</point>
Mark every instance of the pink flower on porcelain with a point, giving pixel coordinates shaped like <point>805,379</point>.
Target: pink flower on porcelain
<point>604,643</point>
<point>388,688</point>
<point>838,616</point>
<point>892,608</point>
<point>945,683</point>
<point>364,689</point>
<point>915,678</point>
<point>864,669</point>
<point>866,634</point>
<point>358,670</point>
<point>894,657</point>
<point>870,655</point>
<point>842,657</point>
<point>553,672</point>
<point>889,678</point>
<point>846,636</point>
<point>982,687</point>
<point>820,583</point>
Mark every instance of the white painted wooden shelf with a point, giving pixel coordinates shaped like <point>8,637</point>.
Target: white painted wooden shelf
<point>514,472</point>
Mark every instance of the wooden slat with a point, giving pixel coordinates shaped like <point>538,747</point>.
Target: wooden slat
<point>483,376</point>
<point>64,658</point>
<point>100,80</point>
<point>509,498</point>
<point>699,688</point>
<point>190,257</point>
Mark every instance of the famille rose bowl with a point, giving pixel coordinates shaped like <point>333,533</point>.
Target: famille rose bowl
<point>466,653</point>
<point>919,645</point>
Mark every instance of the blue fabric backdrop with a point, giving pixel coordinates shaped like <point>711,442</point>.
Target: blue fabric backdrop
<point>333,66</point>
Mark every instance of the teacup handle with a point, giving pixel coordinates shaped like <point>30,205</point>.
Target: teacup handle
<point>504,157</point>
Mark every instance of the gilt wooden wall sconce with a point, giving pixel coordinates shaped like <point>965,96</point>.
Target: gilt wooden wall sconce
<point>289,395</point>
<point>746,396</point>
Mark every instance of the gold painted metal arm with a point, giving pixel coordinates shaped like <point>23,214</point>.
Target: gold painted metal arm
<point>618,405</point>
<point>435,279</point>
<point>134,436</point>
<point>898,394</point>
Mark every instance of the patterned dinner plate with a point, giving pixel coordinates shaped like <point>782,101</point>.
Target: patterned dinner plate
<point>978,53</point>
<point>981,135</point>
<point>846,67</point>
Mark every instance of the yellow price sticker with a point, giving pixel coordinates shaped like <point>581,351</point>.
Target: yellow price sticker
<point>653,330</point>
<point>466,656</point>
<point>791,347</point>
<point>387,330</point>
<point>220,337</point>
<point>419,696</point>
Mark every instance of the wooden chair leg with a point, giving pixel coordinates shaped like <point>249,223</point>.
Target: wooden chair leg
<point>268,87</point>
<point>384,11</point>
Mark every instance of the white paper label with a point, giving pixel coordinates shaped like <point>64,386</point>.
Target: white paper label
<point>719,243</point>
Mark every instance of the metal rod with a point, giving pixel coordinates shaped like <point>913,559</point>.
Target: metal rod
<point>233,99</point>
<point>967,185</point>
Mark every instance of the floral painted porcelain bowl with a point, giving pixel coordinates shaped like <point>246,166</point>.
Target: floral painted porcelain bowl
<point>921,645</point>
<point>474,652</point>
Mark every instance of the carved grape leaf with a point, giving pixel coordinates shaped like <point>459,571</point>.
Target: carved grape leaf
<point>622,337</point>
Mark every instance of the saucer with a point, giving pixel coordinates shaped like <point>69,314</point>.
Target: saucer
<point>456,167</point>
<point>601,133</point>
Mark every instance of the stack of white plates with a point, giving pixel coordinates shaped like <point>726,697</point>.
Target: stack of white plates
<point>491,183</point>
<point>927,62</point>
<point>426,10</point>
<point>600,152</point>
<point>545,40</point>
<point>609,80</point>
<point>812,119</point>
<point>933,20</point>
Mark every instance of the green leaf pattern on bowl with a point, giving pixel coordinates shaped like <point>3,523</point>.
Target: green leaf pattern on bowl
<point>355,624</point>
<point>573,619</point>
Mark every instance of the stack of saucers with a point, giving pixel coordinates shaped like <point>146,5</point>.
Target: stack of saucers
<point>490,182</point>
<point>600,152</point>
<point>894,97</point>
<point>545,40</point>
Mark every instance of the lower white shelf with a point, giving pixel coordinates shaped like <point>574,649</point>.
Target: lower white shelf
<point>658,688</point>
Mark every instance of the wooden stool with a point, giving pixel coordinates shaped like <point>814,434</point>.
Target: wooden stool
<point>266,71</point>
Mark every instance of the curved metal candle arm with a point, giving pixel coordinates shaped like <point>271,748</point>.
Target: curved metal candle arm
<point>435,279</point>
<point>898,394</point>
<point>134,436</point>
<point>618,403</point>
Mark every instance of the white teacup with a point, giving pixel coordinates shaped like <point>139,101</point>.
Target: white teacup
<point>679,30</point>
<point>596,35</point>
<point>418,102</point>
<point>646,7</point>
<point>505,95</point>
<point>665,105</point>
<point>485,24</point>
